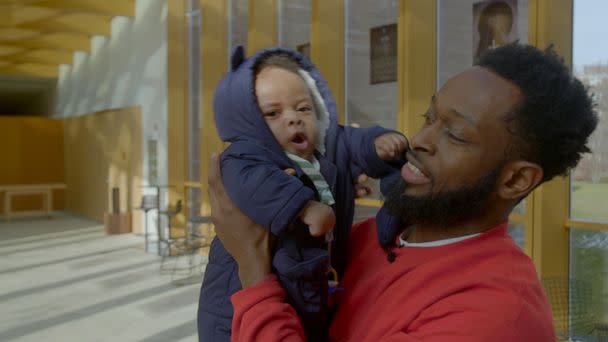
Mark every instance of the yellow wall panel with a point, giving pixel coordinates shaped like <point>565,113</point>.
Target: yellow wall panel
<point>553,26</point>
<point>327,46</point>
<point>104,150</point>
<point>417,62</point>
<point>32,153</point>
<point>214,64</point>
<point>177,111</point>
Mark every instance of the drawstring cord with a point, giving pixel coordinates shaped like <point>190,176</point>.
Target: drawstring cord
<point>390,255</point>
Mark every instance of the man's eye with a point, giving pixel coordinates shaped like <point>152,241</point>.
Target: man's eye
<point>428,119</point>
<point>456,138</point>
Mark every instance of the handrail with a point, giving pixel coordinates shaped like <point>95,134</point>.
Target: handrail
<point>576,224</point>
<point>369,202</point>
<point>193,184</point>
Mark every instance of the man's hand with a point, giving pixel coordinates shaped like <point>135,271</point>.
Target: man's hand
<point>319,218</point>
<point>361,187</point>
<point>390,145</point>
<point>247,242</point>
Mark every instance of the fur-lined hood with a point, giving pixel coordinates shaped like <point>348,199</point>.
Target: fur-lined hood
<point>236,111</point>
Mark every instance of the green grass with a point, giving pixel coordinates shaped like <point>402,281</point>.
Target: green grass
<point>589,201</point>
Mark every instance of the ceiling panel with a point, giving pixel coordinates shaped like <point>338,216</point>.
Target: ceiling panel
<point>15,34</point>
<point>39,35</point>
<point>7,50</point>
<point>42,56</point>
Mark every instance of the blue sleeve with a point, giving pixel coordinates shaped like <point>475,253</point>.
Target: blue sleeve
<point>262,190</point>
<point>360,144</point>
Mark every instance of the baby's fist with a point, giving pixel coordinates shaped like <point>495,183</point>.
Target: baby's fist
<point>390,145</point>
<point>319,218</point>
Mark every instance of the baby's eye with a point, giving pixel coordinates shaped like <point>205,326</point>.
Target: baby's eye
<point>272,114</point>
<point>305,109</point>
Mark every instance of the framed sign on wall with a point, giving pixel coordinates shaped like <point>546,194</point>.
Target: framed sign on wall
<point>468,28</point>
<point>383,54</point>
<point>494,25</point>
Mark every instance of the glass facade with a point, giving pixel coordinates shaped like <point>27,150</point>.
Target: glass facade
<point>370,84</point>
<point>589,181</point>
<point>237,24</point>
<point>516,230</point>
<point>588,287</point>
<point>294,25</point>
<point>588,300</point>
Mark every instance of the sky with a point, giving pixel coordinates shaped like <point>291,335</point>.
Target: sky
<point>590,34</point>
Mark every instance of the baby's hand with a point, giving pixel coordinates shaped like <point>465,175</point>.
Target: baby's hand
<point>390,145</point>
<point>319,218</point>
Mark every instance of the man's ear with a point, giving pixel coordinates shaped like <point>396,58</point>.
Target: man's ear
<point>518,179</point>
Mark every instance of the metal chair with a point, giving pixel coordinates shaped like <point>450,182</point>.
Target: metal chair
<point>177,247</point>
<point>204,238</point>
<point>148,202</point>
<point>164,241</point>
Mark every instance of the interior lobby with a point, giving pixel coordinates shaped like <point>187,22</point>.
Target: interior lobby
<point>107,130</point>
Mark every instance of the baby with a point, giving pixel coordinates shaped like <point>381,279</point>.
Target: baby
<point>277,112</point>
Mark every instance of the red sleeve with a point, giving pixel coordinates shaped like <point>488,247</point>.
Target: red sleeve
<point>261,314</point>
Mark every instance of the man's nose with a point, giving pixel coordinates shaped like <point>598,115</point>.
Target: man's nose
<point>425,140</point>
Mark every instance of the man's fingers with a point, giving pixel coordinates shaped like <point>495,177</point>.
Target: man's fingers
<point>214,172</point>
<point>290,171</point>
<point>363,191</point>
<point>212,181</point>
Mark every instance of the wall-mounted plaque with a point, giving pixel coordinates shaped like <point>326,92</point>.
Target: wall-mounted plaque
<point>383,54</point>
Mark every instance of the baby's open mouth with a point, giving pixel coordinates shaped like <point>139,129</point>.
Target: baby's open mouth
<point>299,141</point>
<point>298,138</point>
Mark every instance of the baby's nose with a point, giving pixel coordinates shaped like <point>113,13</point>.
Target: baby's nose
<point>293,118</point>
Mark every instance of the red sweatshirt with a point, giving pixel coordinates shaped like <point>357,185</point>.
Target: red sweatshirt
<point>480,289</point>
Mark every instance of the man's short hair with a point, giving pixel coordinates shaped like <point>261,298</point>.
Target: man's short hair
<point>552,123</point>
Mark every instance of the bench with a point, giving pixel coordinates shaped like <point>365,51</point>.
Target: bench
<point>46,190</point>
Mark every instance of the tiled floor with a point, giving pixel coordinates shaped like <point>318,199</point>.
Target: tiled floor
<point>63,279</point>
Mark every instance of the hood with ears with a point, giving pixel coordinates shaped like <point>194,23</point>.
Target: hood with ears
<point>236,111</point>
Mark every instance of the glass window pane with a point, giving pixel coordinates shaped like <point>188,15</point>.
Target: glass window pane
<point>589,186</point>
<point>194,98</point>
<point>516,230</point>
<point>588,284</point>
<point>371,65</point>
<point>294,25</point>
<point>363,212</point>
<point>237,27</point>
<point>371,95</point>
<point>520,208</point>
<point>466,28</point>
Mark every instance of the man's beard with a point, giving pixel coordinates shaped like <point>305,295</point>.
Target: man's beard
<point>441,209</point>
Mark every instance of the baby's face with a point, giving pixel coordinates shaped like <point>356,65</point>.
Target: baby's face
<point>288,110</point>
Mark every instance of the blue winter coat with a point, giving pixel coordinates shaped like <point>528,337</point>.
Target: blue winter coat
<point>252,172</point>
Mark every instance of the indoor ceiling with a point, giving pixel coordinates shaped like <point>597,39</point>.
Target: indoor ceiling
<point>36,36</point>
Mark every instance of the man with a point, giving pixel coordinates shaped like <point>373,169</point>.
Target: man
<point>492,134</point>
